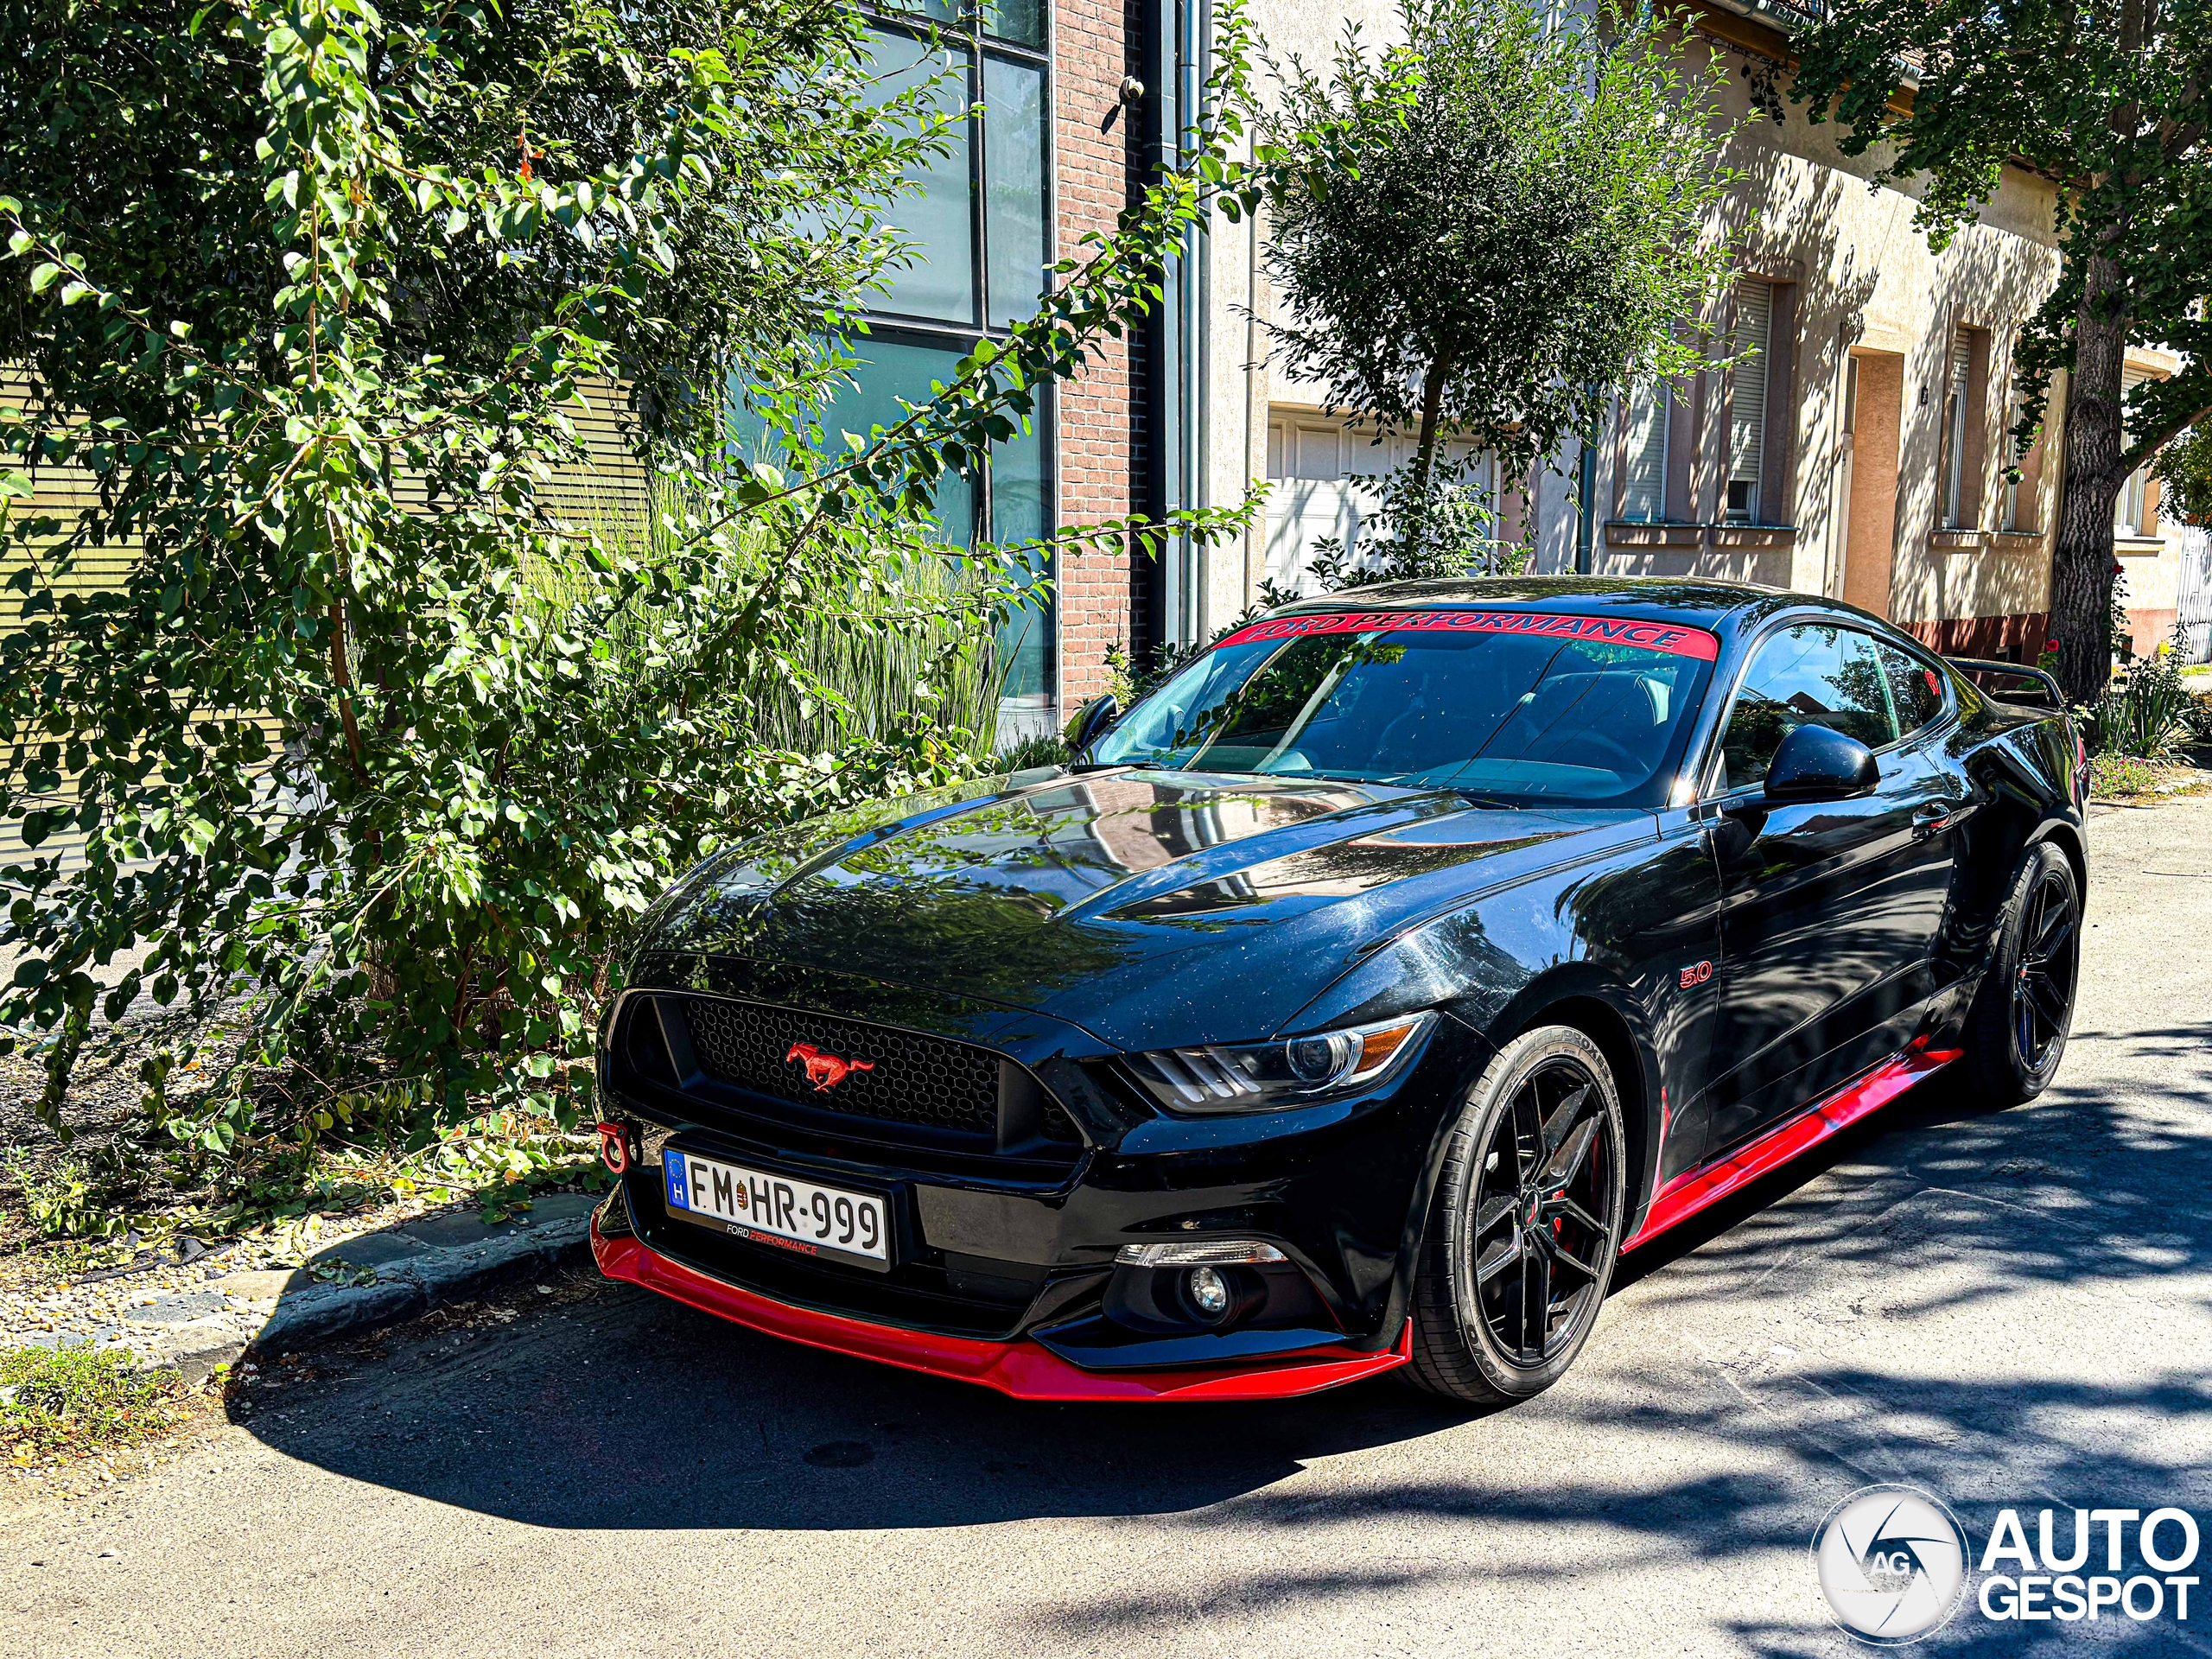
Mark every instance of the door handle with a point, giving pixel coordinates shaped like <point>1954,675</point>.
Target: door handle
<point>1932,819</point>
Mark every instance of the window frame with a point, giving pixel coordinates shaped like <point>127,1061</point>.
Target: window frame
<point>978,45</point>
<point>1715,739</point>
<point>1755,511</point>
<point>2134,494</point>
<point>1661,394</point>
<point>1951,449</point>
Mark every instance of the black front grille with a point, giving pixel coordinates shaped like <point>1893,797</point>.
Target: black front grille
<point>909,1079</point>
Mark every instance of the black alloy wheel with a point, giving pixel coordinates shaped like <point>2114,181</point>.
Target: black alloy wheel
<point>1525,1225</point>
<point>2016,1031</point>
<point>2043,987</point>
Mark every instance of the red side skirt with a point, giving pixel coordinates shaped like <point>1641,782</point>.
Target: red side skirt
<point>1025,1369</point>
<point>1689,1193</point>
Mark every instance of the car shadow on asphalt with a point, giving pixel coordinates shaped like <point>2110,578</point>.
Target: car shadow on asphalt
<point>613,1409</point>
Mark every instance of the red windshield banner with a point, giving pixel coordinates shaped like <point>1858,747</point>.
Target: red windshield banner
<point>1649,636</point>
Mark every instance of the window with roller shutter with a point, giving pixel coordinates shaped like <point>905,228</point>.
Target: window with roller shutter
<point>1747,403</point>
<point>1643,486</point>
<point>2128,514</point>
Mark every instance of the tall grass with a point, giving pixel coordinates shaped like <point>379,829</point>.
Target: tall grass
<point>908,646</point>
<point>909,649</point>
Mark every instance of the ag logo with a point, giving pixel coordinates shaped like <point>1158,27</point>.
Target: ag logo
<point>1892,1563</point>
<point>1696,973</point>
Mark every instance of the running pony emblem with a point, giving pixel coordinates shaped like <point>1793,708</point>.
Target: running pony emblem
<point>825,1071</point>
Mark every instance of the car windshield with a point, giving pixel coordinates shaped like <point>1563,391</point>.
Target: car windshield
<point>1514,705</point>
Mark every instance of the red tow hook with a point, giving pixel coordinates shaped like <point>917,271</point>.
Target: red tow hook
<point>614,1148</point>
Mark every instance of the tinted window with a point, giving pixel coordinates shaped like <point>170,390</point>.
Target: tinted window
<point>939,279</point>
<point>1807,676</point>
<point>1914,689</point>
<point>1499,715</point>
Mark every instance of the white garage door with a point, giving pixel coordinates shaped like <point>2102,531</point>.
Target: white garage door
<point>1312,463</point>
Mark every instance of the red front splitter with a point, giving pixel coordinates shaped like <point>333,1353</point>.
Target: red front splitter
<point>1026,1370</point>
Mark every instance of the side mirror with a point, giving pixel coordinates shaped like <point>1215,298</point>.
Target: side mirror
<point>1817,763</point>
<point>1092,722</point>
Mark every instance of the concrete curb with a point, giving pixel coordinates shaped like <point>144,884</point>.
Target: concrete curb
<point>405,1273</point>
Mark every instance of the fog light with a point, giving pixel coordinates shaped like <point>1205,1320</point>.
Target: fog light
<point>1209,1292</point>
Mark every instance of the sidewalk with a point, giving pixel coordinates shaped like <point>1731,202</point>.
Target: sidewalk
<point>197,1313</point>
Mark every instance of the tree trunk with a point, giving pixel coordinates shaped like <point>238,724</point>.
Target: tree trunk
<point>2081,562</point>
<point>1431,409</point>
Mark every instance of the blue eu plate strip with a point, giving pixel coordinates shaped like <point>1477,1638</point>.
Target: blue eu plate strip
<point>679,1197</point>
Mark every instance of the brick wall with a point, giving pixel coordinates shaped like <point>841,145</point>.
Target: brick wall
<point>1101,428</point>
<point>2015,638</point>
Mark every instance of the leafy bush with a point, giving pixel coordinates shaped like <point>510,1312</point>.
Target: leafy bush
<point>2146,713</point>
<point>64,1199</point>
<point>1423,528</point>
<point>2183,470</point>
<point>2199,718</point>
<point>379,730</point>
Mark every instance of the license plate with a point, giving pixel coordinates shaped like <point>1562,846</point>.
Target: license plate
<point>777,1210</point>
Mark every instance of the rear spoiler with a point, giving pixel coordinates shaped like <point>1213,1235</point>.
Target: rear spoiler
<point>2041,687</point>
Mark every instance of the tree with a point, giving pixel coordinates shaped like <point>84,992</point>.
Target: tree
<point>2109,99</point>
<point>1484,230</point>
<point>377,730</point>
<point>2183,470</point>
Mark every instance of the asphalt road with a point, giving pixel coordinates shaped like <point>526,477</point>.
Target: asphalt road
<point>2004,1309</point>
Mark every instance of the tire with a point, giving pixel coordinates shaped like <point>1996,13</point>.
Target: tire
<point>1479,1270</point>
<point>2016,1031</point>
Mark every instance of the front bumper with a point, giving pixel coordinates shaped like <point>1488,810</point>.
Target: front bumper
<point>1022,1368</point>
<point>1005,1264</point>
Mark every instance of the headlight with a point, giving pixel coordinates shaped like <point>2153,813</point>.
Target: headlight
<point>1289,1072</point>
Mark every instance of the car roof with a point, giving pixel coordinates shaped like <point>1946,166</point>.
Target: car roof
<point>1685,601</point>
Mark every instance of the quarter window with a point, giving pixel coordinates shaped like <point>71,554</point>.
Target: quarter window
<point>1915,692</point>
<point>1810,675</point>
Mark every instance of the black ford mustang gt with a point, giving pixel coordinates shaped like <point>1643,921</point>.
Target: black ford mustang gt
<point>1353,1003</point>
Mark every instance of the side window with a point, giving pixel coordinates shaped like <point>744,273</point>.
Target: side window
<point>1811,675</point>
<point>1915,690</point>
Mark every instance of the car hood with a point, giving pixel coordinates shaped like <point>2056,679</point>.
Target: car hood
<point>1147,907</point>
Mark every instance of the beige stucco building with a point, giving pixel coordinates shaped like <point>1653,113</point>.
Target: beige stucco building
<point>1859,450</point>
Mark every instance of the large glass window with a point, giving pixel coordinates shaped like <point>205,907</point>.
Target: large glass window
<point>937,278</point>
<point>979,226</point>
<point>995,160</point>
<point>1014,198</point>
<point>1809,676</point>
<point>888,371</point>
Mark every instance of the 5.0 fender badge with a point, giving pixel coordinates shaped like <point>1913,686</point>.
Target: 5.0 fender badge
<point>1696,973</point>
<point>825,1071</point>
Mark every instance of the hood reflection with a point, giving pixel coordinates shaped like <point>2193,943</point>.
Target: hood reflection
<point>1068,895</point>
